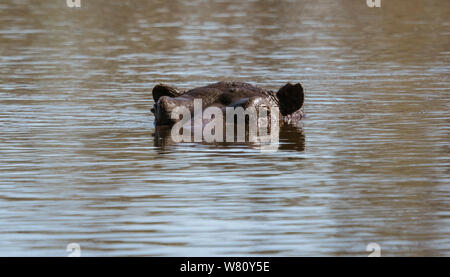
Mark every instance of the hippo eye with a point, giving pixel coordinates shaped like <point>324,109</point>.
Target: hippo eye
<point>226,98</point>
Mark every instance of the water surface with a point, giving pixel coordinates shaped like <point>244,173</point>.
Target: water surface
<point>81,160</point>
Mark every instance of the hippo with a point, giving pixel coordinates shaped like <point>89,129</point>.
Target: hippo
<point>288,99</point>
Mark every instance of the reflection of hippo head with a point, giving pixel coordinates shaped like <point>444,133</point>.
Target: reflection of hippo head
<point>291,138</point>
<point>289,99</point>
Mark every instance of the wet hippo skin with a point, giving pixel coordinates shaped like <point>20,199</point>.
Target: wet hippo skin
<point>289,99</point>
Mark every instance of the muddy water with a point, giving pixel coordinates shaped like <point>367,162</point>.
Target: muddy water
<point>81,161</point>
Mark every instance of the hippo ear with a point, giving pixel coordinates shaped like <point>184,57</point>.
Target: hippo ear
<point>291,98</point>
<point>164,90</point>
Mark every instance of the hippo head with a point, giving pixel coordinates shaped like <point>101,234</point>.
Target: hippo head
<point>288,99</point>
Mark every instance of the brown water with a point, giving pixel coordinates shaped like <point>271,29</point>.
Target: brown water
<point>81,161</point>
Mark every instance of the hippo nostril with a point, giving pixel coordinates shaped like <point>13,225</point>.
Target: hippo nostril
<point>167,104</point>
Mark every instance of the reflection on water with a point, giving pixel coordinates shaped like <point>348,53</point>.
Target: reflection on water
<point>81,160</point>
<point>290,137</point>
